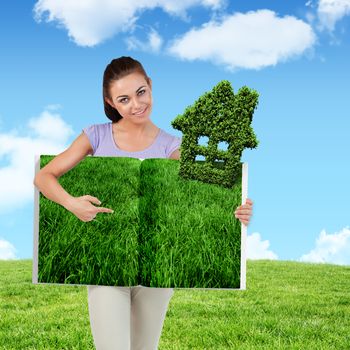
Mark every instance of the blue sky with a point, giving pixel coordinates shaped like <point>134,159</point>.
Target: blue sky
<point>295,54</point>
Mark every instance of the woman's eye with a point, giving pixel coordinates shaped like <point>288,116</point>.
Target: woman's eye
<point>123,100</point>
<point>141,92</point>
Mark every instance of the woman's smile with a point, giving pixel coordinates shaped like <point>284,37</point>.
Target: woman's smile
<point>141,112</point>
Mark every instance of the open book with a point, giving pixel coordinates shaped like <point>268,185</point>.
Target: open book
<point>165,232</point>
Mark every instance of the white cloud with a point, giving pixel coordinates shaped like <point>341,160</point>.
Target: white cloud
<point>259,249</point>
<point>153,44</point>
<point>50,126</point>
<point>331,11</point>
<point>155,40</point>
<point>7,250</point>
<point>250,40</point>
<point>90,22</point>
<point>178,8</point>
<point>330,248</point>
<point>47,134</point>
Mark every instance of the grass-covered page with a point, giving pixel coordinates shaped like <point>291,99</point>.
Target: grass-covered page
<point>165,231</point>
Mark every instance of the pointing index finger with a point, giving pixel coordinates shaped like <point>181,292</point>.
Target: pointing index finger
<point>104,210</point>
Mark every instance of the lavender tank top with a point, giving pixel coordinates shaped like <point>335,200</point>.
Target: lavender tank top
<point>102,143</point>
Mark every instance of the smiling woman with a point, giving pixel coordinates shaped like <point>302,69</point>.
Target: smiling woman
<point>120,317</point>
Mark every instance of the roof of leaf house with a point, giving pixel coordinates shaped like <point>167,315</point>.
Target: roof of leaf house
<point>223,114</point>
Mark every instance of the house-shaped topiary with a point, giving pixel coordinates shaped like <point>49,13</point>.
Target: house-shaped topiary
<point>223,118</point>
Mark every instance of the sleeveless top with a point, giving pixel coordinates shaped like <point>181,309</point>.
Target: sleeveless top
<point>102,143</point>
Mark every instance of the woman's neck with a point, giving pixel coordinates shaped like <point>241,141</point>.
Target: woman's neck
<point>132,129</point>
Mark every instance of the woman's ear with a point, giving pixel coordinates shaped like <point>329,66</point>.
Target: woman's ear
<point>110,102</point>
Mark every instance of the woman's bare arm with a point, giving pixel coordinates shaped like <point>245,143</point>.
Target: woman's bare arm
<point>175,155</point>
<point>46,181</point>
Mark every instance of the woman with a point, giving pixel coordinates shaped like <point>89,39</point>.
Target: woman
<point>121,317</point>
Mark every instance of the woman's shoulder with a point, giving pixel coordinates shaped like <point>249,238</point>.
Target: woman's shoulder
<point>97,128</point>
<point>167,137</point>
<point>97,133</point>
<point>170,142</point>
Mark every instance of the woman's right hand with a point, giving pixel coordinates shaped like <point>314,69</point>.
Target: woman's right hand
<point>83,208</point>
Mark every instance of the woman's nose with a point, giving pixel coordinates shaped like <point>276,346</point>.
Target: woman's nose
<point>135,104</point>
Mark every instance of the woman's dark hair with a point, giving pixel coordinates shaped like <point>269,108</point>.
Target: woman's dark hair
<point>117,69</point>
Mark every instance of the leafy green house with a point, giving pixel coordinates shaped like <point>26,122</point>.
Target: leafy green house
<point>223,118</point>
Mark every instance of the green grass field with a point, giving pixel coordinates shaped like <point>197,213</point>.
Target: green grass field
<point>165,231</point>
<point>287,305</point>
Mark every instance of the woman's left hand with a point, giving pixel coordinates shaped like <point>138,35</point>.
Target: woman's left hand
<point>244,212</point>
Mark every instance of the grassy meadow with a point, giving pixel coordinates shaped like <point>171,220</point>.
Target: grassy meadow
<point>188,234</point>
<point>165,231</point>
<point>76,252</point>
<point>287,305</point>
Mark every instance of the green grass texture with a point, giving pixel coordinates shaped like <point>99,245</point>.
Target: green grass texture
<point>165,231</point>
<point>287,305</point>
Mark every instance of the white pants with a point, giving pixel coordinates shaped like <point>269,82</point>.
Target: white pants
<point>127,318</point>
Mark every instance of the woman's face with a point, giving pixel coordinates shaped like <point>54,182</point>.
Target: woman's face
<point>131,96</point>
